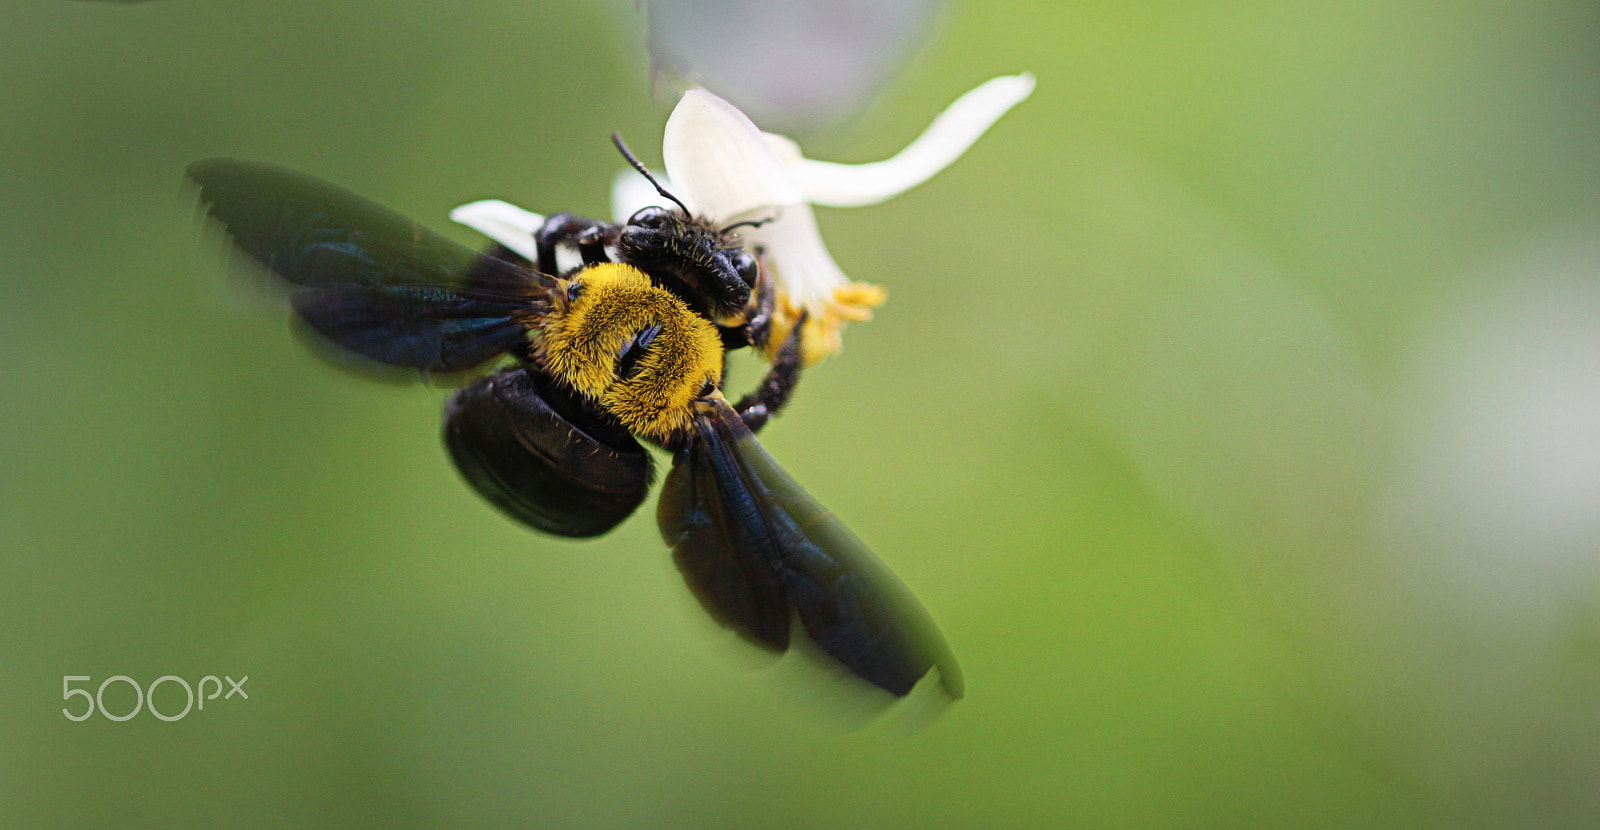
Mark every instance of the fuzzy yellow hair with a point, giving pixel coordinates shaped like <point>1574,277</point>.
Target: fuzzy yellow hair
<point>597,315</point>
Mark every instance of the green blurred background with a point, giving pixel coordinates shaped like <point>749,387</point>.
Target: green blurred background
<point>1235,410</point>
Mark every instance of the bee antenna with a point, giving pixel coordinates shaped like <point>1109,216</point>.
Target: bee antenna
<point>748,223</point>
<point>616,139</point>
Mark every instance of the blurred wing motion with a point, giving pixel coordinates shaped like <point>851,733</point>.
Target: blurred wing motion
<point>567,472</point>
<point>758,551</point>
<point>374,282</point>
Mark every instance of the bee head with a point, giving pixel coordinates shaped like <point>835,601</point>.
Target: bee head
<point>707,260</point>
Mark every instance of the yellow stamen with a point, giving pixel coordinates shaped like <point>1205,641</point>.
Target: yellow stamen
<point>851,302</point>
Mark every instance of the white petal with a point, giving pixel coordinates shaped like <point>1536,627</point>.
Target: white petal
<point>854,185</point>
<point>631,191</point>
<point>804,270</point>
<point>720,163</point>
<point>503,222</point>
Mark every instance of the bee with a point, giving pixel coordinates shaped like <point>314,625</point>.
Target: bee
<point>592,362</point>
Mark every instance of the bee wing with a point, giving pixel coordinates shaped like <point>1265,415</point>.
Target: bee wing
<point>720,540</point>
<point>566,474</point>
<point>371,281</point>
<point>757,550</point>
<point>435,330</point>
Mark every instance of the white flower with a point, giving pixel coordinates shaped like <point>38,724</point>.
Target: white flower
<point>726,170</point>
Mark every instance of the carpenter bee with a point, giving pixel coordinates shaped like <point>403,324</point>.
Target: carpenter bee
<point>594,360</point>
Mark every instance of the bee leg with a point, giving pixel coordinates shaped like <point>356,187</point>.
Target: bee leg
<point>589,236</point>
<point>734,337</point>
<point>756,330</point>
<point>773,392</point>
<point>760,326</point>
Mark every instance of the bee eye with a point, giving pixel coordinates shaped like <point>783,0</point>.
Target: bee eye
<point>745,266</point>
<point>650,217</point>
<point>628,360</point>
<point>574,291</point>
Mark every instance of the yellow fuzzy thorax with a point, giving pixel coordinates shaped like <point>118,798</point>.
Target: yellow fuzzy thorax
<point>584,337</point>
